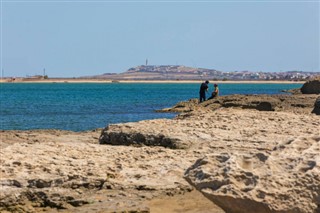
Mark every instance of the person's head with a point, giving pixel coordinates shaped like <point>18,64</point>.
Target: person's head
<point>207,82</point>
<point>215,85</point>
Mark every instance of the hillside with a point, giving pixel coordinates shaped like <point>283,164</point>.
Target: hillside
<point>180,72</point>
<point>163,72</point>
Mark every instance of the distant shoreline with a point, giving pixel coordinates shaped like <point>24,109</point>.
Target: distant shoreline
<point>71,80</point>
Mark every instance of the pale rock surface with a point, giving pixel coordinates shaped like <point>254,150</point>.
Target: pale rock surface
<point>255,158</point>
<point>72,171</point>
<point>289,103</point>
<point>262,182</point>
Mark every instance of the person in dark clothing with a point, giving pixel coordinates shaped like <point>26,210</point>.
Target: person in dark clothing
<point>203,89</point>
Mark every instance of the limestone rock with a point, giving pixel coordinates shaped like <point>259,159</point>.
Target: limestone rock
<point>311,86</point>
<point>71,170</point>
<point>284,180</point>
<point>183,106</point>
<point>292,103</point>
<point>274,151</point>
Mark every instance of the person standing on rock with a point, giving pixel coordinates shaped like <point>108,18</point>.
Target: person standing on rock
<point>203,89</point>
<point>215,93</point>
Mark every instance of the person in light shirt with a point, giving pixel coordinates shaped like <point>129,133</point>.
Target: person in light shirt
<point>215,93</point>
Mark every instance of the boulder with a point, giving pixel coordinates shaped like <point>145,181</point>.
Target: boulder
<point>316,109</point>
<point>287,179</point>
<point>311,87</point>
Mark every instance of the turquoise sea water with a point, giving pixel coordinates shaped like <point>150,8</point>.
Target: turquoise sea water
<point>86,106</point>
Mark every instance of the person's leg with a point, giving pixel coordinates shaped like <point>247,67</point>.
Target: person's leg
<point>201,97</point>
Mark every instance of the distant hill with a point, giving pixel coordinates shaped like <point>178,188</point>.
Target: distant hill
<point>163,72</point>
<point>179,72</point>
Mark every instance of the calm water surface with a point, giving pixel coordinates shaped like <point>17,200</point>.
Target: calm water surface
<point>86,106</point>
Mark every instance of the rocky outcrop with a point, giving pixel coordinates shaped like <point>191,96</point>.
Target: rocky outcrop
<point>311,86</point>
<point>290,103</point>
<point>252,161</point>
<point>316,108</point>
<point>183,106</point>
<point>140,133</point>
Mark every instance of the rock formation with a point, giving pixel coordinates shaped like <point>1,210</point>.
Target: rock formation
<point>291,103</point>
<point>260,181</point>
<point>139,133</point>
<point>44,170</point>
<point>311,86</point>
<point>316,108</point>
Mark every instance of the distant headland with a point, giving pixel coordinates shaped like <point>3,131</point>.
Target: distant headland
<point>175,73</point>
<point>180,72</point>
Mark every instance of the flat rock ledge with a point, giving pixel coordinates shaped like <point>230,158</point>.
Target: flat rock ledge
<point>290,103</point>
<point>60,171</point>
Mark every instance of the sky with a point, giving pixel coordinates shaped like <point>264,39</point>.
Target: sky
<point>84,38</point>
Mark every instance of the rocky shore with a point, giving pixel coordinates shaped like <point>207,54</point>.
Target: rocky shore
<point>231,154</point>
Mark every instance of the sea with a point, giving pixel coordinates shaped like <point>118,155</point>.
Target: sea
<point>88,106</point>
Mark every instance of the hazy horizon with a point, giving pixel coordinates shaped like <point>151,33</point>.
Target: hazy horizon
<point>82,38</point>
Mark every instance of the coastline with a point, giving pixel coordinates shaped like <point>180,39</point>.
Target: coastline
<point>105,172</point>
<point>93,177</point>
<point>71,80</point>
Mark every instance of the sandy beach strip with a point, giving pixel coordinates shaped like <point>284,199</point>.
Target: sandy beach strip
<point>71,80</point>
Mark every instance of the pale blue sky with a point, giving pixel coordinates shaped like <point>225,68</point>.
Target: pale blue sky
<point>81,38</point>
